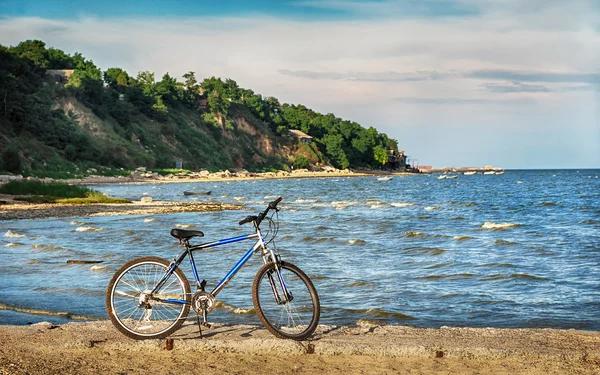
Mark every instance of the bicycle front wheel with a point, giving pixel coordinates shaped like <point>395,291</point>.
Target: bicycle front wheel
<point>294,315</point>
<point>137,312</point>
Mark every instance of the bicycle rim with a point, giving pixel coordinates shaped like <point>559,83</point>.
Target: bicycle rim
<point>153,318</point>
<point>295,319</point>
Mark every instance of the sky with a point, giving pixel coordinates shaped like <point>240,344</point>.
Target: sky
<point>509,83</point>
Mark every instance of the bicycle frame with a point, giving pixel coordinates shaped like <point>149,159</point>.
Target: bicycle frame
<point>259,245</point>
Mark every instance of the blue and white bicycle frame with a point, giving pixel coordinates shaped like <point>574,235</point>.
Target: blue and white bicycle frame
<point>268,255</point>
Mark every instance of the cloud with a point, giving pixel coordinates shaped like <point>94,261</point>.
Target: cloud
<point>510,87</point>
<point>369,76</point>
<point>438,101</point>
<point>533,76</point>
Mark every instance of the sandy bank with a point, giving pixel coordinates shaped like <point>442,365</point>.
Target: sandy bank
<point>21,210</point>
<point>96,347</point>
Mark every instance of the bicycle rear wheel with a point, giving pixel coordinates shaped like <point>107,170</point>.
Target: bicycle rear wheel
<point>293,317</point>
<point>137,313</point>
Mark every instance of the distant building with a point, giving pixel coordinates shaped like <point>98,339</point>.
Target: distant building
<point>301,136</point>
<point>396,160</point>
<point>60,75</point>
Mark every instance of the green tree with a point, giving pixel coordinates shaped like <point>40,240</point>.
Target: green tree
<point>380,155</point>
<point>116,78</point>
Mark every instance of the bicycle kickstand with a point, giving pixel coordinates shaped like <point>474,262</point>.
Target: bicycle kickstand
<point>204,322</point>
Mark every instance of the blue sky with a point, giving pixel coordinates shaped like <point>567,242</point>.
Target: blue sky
<point>512,83</point>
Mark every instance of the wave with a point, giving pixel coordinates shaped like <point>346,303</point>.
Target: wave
<point>548,204</point>
<point>185,226</point>
<point>301,200</point>
<point>401,204</point>
<point>462,238</point>
<point>88,229</point>
<point>362,283</point>
<point>458,218</point>
<point>438,265</point>
<point>501,242</point>
<point>63,314</point>
<point>412,234</point>
<point>98,268</point>
<point>429,208</point>
<point>318,277</point>
<point>357,241</point>
<point>456,276</point>
<point>149,220</point>
<point>13,244</point>
<point>490,225</point>
<point>425,250</point>
<point>238,198</point>
<point>589,222</point>
<point>76,223</point>
<point>517,276</point>
<point>317,240</point>
<point>11,234</point>
<point>234,309</point>
<point>505,265</point>
<point>381,313</point>
<point>47,247</point>
<point>343,204</point>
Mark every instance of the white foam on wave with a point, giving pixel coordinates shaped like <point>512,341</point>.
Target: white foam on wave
<point>356,241</point>
<point>490,225</point>
<point>98,268</point>
<point>340,205</point>
<point>429,208</point>
<point>238,198</point>
<point>271,196</point>
<point>185,226</point>
<point>13,244</point>
<point>88,229</point>
<point>300,200</point>
<point>149,220</point>
<point>401,204</point>
<point>75,223</point>
<point>12,234</point>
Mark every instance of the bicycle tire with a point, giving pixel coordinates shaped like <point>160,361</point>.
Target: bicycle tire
<point>123,299</point>
<point>296,319</point>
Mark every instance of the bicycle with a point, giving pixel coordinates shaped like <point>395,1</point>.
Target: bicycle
<point>150,297</point>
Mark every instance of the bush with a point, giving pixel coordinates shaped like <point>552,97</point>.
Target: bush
<point>301,163</point>
<point>11,161</point>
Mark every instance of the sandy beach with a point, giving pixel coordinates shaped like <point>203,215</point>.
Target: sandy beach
<point>97,348</point>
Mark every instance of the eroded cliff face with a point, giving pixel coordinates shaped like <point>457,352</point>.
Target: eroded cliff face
<point>183,135</point>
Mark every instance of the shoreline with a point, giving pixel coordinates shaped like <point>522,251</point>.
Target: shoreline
<point>215,177</point>
<point>97,347</point>
<point>21,210</point>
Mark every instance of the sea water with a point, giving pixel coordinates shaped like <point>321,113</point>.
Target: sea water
<point>515,250</point>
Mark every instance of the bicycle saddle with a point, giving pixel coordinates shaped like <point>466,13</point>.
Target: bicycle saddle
<point>183,234</point>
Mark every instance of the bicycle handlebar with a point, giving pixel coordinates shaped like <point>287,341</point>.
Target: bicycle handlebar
<point>258,219</point>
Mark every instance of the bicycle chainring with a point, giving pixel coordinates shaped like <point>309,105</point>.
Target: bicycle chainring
<point>203,301</point>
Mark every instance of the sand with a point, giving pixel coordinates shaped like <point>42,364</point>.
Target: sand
<point>97,348</point>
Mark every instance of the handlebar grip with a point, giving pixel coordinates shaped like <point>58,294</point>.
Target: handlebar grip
<point>274,204</point>
<point>247,220</point>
